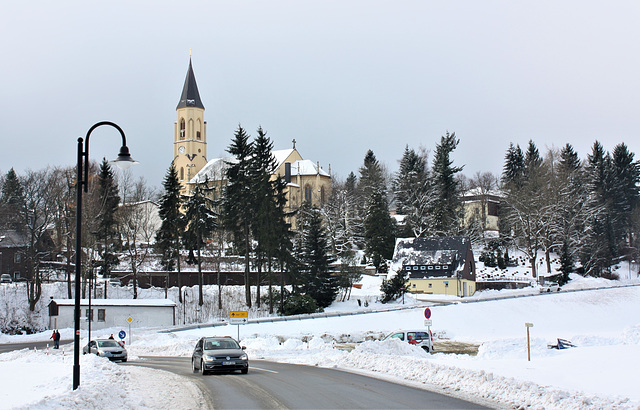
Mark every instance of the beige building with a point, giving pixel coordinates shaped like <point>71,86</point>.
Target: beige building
<point>190,132</point>
<point>483,208</point>
<point>306,180</point>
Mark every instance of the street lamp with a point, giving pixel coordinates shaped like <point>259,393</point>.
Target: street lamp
<point>124,161</point>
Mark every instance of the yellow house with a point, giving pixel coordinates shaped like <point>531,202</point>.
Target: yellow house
<point>437,265</point>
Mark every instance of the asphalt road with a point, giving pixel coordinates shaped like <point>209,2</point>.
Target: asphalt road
<point>270,385</point>
<point>8,347</point>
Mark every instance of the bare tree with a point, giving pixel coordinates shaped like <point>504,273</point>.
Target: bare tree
<point>138,220</point>
<point>41,188</point>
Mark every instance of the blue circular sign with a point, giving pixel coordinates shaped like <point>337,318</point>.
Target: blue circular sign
<point>427,313</point>
<point>122,334</point>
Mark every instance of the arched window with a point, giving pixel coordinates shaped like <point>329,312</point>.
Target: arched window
<point>182,128</point>
<point>322,198</point>
<point>181,173</point>
<point>307,193</point>
<point>198,130</point>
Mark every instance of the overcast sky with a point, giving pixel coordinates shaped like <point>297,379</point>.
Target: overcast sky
<point>340,77</point>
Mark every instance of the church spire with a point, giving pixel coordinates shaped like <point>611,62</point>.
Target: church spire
<point>190,96</point>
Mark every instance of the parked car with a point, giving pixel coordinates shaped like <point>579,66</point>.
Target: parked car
<point>550,287</point>
<point>5,278</point>
<point>420,338</point>
<point>114,281</point>
<point>221,353</point>
<point>108,348</point>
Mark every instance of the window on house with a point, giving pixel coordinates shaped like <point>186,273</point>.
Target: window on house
<point>89,314</point>
<point>322,195</point>
<point>17,258</point>
<point>181,173</point>
<point>430,285</point>
<point>423,268</point>
<point>100,315</point>
<point>198,135</point>
<point>182,128</point>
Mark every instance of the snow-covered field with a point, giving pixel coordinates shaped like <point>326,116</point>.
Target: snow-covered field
<point>601,372</point>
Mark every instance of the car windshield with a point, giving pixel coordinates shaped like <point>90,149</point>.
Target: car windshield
<point>108,343</point>
<point>220,344</point>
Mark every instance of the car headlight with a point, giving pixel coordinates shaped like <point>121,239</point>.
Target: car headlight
<point>244,357</point>
<point>207,358</point>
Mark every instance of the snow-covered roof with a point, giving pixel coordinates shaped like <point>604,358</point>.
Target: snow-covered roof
<point>116,302</point>
<point>12,239</point>
<point>213,171</point>
<point>215,168</point>
<point>473,192</point>
<point>281,155</point>
<point>307,167</point>
<point>448,250</point>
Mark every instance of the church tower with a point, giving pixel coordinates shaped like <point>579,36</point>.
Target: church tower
<point>190,135</point>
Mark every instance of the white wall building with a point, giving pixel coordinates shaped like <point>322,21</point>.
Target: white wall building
<point>113,313</point>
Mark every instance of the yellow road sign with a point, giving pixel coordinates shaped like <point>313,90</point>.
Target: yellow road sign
<point>238,313</point>
<point>129,319</point>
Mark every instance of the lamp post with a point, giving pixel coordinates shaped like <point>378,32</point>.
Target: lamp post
<point>123,161</point>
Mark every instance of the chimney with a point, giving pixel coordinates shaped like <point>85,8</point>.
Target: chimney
<point>287,172</point>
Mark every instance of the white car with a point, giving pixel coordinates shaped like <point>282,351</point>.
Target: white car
<point>420,338</point>
<point>550,287</point>
<point>5,278</point>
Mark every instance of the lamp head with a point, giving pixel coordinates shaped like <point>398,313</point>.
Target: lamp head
<point>124,160</point>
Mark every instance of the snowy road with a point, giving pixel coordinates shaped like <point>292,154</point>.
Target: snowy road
<point>271,385</point>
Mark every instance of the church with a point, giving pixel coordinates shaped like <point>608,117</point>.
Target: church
<point>306,180</point>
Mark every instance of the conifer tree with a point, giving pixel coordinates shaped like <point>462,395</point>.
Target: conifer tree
<point>378,226</point>
<point>107,225</point>
<point>412,194</point>
<point>238,202</point>
<point>200,221</point>
<point>317,281</point>
<point>11,201</point>
<point>446,192</point>
<point>169,235</point>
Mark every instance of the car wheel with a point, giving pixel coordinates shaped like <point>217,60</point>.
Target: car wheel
<point>202,371</point>
<point>426,348</point>
<point>244,371</point>
<point>193,366</point>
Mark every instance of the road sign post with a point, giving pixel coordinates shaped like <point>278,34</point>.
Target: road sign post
<point>428,323</point>
<point>129,319</point>
<point>238,317</point>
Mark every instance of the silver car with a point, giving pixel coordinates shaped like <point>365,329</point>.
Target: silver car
<point>219,354</point>
<point>108,348</point>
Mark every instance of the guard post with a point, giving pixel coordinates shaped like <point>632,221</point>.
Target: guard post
<point>528,325</point>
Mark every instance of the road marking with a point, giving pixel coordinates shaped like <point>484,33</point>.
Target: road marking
<point>264,370</point>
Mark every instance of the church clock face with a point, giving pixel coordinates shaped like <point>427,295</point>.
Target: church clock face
<point>181,150</point>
